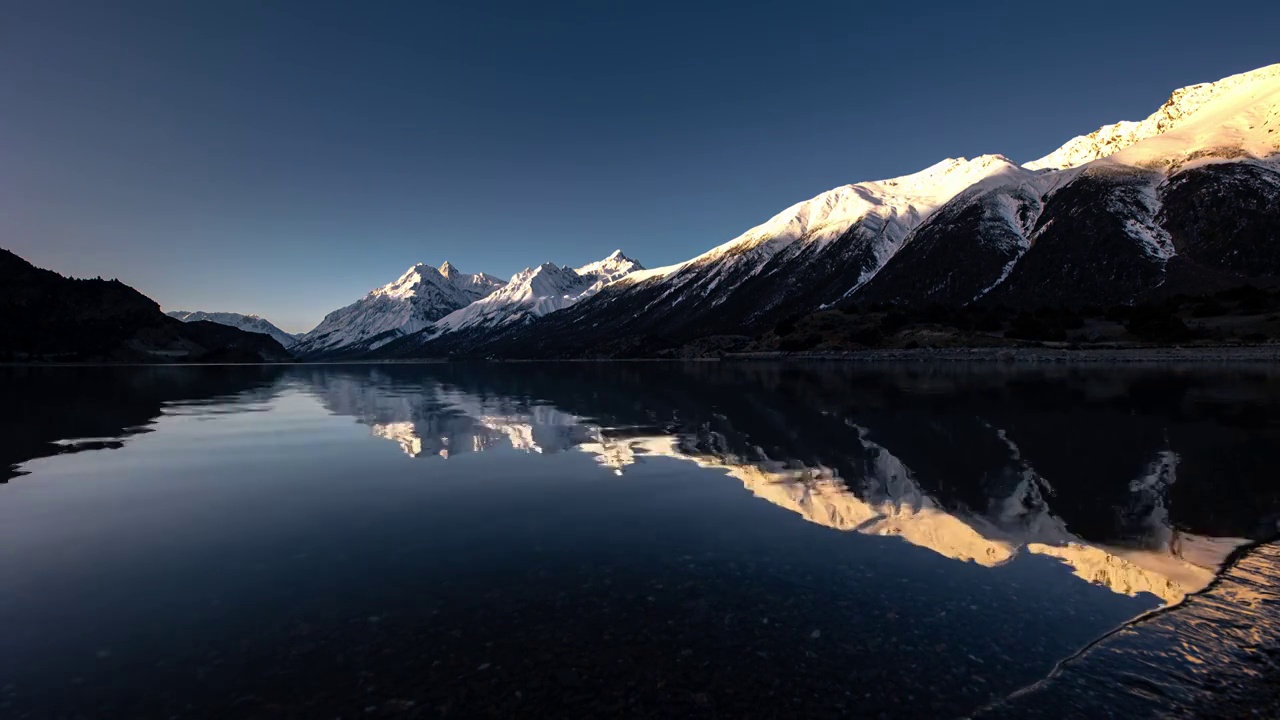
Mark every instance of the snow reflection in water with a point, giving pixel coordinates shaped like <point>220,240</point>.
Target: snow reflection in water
<point>883,497</point>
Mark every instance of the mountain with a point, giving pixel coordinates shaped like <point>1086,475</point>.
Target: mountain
<point>248,323</point>
<point>1186,201</point>
<point>416,299</point>
<point>813,252</point>
<point>529,294</point>
<point>53,318</point>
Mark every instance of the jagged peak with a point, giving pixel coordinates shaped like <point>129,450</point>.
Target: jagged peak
<point>616,264</point>
<point>408,282</point>
<point>447,269</point>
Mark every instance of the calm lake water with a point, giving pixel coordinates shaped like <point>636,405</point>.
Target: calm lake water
<point>610,539</point>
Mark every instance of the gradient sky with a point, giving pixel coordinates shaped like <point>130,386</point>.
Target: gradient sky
<point>284,158</point>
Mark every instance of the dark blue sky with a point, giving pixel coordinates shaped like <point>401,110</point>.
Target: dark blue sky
<point>285,158</point>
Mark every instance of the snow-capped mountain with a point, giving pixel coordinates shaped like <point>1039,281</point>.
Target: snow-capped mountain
<point>813,252</point>
<point>250,323</point>
<point>613,267</point>
<point>419,297</point>
<point>871,218</point>
<point>1187,200</point>
<point>536,291</point>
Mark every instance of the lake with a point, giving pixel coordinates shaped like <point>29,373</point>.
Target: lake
<point>710,539</point>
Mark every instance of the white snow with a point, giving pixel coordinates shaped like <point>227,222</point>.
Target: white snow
<point>894,207</point>
<point>903,202</point>
<point>537,291</point>
<point>1155,241</point>
<point>413,301</point>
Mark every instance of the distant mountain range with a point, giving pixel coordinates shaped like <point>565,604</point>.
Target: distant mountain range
<point>419,297</point>
<point>1183,203</point>
<point>48,317</point>
<point>426,303</point>
<point>248,323</point>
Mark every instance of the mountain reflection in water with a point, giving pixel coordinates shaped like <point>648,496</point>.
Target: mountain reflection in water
<point>851,483</point>
<point>988,523</point>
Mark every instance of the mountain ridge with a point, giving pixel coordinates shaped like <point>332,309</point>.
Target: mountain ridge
<point>1116,224</point>
<point>248,323</point>
<point>419,297</point>
<point>1185,202</point>
<point>49,317</point>
<point>536,291</point>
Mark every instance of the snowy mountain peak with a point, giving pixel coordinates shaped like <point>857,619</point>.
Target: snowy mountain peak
<point>413,301</point>
<point>447,278</point>
<point>613,267</point>
<point>1235,113</point>
<point>536,291</point>
<point>407,284</point>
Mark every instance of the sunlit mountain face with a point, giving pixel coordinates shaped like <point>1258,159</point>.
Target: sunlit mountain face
<point>903,541</point>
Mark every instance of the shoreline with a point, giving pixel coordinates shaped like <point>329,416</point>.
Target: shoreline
<point>1036,355</point>
<point>998,355</point>
<point>1213,655</point>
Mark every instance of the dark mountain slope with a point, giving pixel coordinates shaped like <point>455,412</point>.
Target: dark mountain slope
<point>1225,217</point>
<point>1095,243</point>
<point>47,317</point>
<point>961,252</point>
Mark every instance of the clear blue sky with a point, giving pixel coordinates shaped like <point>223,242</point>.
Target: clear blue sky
<point>286,157</point>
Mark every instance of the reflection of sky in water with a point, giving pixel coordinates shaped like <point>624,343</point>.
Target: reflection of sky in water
<point>245,524</point>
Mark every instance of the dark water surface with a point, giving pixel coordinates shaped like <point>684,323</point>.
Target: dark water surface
<point>612,539</point>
